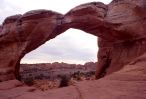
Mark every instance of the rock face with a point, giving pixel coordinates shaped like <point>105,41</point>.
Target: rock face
<point>21,34</point>
<point>120,27</point>
<point>128,19</point>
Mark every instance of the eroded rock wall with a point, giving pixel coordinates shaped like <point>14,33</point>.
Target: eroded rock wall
<point>128,20</point>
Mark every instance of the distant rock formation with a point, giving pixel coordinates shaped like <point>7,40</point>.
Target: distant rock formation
<point>120,27</point>
<point>52,71</point>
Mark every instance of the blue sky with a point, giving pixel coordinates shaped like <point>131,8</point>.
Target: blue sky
<point>73,46</point>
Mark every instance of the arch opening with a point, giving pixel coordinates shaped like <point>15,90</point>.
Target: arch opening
<point>71,48</point>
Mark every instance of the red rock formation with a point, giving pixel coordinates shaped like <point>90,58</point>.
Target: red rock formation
<point>21,34</point>
<point>128,18</point>
<point>115,24</point>
<point>120,27</point>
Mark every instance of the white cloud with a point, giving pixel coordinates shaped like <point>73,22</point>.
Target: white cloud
<point>12,7</point>
<point>56,5</point>
<point>8,9</point>
<point>73,46</point>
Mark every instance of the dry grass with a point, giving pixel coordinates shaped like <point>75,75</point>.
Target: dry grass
<point>46,85</point>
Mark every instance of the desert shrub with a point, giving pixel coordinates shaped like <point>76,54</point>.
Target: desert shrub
<point>38,77</point>
<point>29,81</point>
<point>92,73</point>
<point>30,75</point>
<point>64,81</point>
<point>46,84</point>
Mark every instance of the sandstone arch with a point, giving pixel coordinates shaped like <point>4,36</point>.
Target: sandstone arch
<point>125,21</point>
<point>117,33</point>
<point>24,33</point>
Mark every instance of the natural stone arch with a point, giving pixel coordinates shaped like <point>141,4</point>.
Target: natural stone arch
<point>25,33</point>
<point>125,17</point>
<point>22,33</point>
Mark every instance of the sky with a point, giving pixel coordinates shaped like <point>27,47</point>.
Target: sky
<point>73,46</point>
